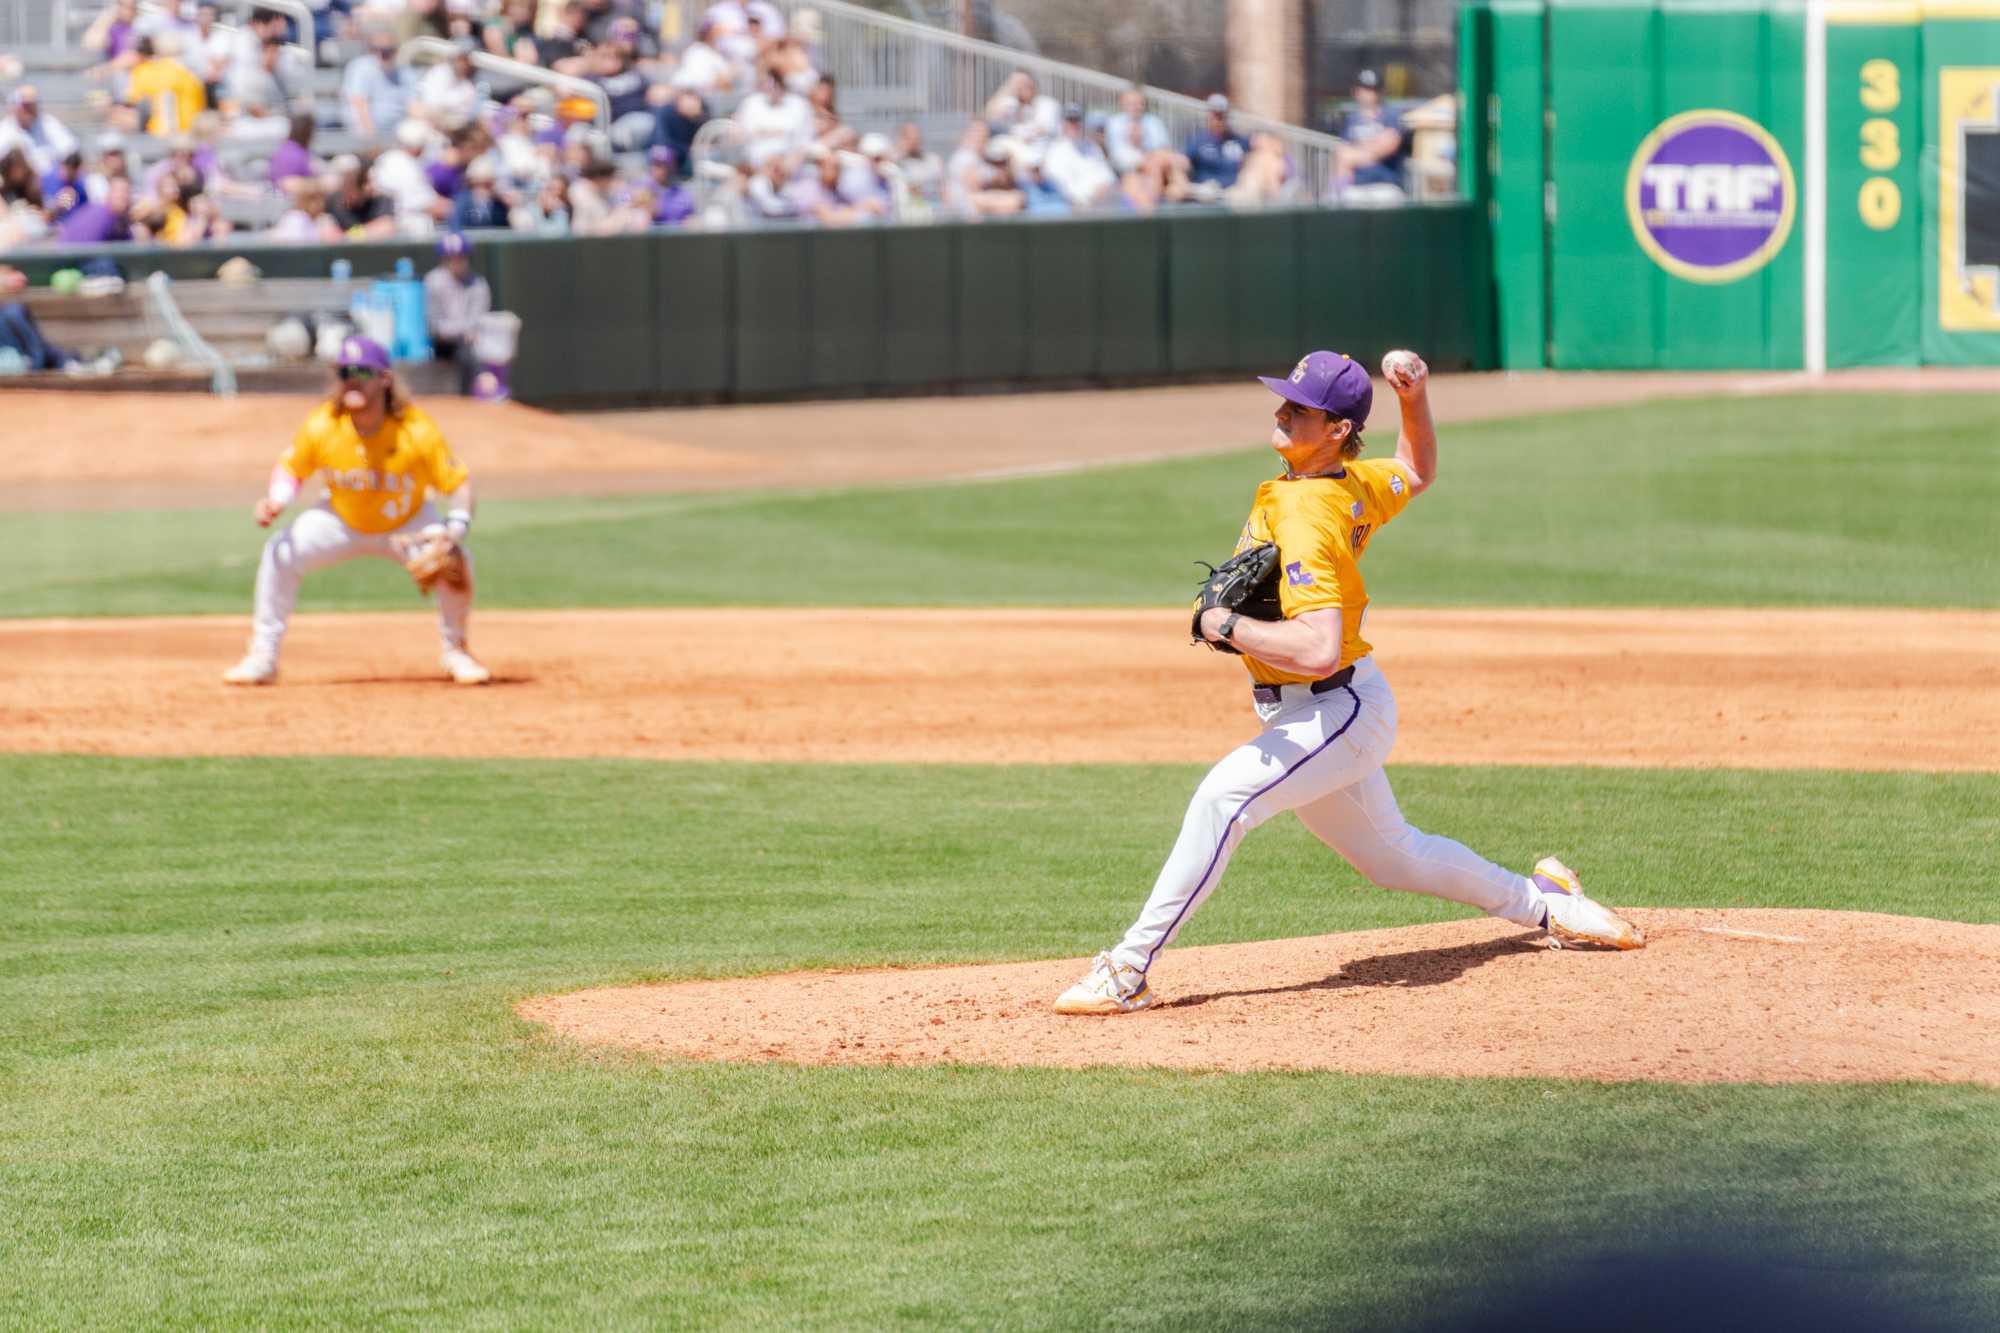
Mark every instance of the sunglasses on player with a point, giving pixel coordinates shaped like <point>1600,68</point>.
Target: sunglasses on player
<point>354,374</point>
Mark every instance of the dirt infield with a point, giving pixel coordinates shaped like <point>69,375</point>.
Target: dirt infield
<point>1738,996</point>
<point>1752,689</point>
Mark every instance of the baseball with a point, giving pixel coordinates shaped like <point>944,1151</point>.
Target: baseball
<point>1400,367</point>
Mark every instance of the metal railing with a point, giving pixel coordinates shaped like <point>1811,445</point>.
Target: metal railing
<point>34,24</point>
<point>891,69</point>
<point>429,50</point>
<point>222,379</point>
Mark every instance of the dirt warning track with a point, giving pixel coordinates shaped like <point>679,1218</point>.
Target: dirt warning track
<point>1752,689</point>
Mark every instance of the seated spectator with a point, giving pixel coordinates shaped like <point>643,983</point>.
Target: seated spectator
<point>306,222</point>
<point>372,89</point>
<point>676,123</point>
<point>563,39</point>
<point>447,91</point>
<point>455,300</point>
<point>1076,167</point>
<point>511,32</point>
<point>818,195</point>
<point>1215,153</point>
<point>179,164</point>
<point>422,18</point>
<point>293,158</point>
<point>774,122</point>
<point>704,68</point>
<point>112,164</point>
<point>400,174</point>
<point>590,200</point>
<point>673,203</point>
<point>921,171</point>
<point>1160,178</point>
<point>1133,132</point>
<point>161,90</point>
<point>181,213</point>
<point>42,139</point>
<point>1266,176</point>
<point>268,83</point>
<point>114,32</point>
<point>547,211</point>
<point>614,67</point>
<point>20,333</point>
<point>868,179</point>
<point>447,169</point>
<point>1022,112</point>
<point>979,180</point>
<point>766,197</point>
<point>479,205</point>
<point>828,127</point>
<point>211,50</point>
<point>97,223</point>
<point>1373,147</point>
<point>362,212</point>
<point>788,56</point>
<point>63,188</point>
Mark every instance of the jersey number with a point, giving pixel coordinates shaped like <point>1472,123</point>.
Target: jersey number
<point>1361,536</point>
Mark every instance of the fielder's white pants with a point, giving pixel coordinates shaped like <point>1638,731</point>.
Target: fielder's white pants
<point>318,538</point>
<point>1320,756</point>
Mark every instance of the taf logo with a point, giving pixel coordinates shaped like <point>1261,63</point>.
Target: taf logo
<point>1711,196</point>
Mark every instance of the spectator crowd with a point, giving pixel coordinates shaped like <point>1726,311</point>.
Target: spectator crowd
<point>229,122</point>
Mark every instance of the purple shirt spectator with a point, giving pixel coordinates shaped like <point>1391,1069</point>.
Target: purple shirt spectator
<point>92,223</point>
<point>446,178</point>
<point>288,161</point>
<point>672,206</point>
<point>119,38</point>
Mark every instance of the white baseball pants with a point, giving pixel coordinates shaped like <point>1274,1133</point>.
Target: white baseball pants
<point>318,538</point>
<point>1320,756</point>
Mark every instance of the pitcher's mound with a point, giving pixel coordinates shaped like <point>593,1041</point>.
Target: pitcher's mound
<point>1716,996</point>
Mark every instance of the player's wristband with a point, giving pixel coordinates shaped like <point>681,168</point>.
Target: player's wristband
<point>284,486</point>
<point>1227,630</point>
<point>457,523</point>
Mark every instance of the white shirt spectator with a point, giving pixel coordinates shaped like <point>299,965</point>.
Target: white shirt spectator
<point>773,123</point>
<point>451,99</point>
<point>704,69</point>
<point>44,139</point>
<point>399,174</point>
<point>1127,139</point>
<point>379,88</point>
<point>1076,166</point>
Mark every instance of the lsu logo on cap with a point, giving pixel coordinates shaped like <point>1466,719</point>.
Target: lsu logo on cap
<point>1299,371</point>
<point>1298,575</point>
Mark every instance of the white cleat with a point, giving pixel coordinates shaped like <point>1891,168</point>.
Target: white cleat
<point>464,667</point>
<point>1110,987</point>
<point>1577,919</point>
<point>252,670</point>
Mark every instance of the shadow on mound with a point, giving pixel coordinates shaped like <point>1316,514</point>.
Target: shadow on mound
<point>1411,967</point>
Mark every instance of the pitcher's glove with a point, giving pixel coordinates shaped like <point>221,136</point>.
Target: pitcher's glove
<point>432,557</point>
<point>1246,583</point>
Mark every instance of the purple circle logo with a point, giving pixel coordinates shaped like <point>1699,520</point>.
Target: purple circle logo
<point>1711,196</point>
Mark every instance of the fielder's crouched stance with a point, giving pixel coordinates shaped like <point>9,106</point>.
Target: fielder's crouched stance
<point>1328,713</point>
<point>381,457</point>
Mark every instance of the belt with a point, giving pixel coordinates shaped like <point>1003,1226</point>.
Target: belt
<point>1271,694</point>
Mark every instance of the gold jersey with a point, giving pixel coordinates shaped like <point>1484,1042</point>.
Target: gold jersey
<point>375,482</point>
<point>1322,525</point>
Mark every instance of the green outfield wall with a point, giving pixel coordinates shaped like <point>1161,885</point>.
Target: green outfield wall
<point>1737,185</point>
<point>795,312</point>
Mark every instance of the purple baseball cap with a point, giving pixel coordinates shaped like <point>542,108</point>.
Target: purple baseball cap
<point>363,353</point>
<point>1336,384</point>
<point>454,245</point>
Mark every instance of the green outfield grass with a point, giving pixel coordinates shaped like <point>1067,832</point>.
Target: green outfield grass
<point>257,1062</point>
<point>1830,499</point>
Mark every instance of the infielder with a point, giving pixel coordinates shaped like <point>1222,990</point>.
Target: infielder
<point>1328,713</point>
<point>382,457</point>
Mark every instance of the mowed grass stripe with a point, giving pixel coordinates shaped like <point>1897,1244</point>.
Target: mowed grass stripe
<point>1828,499</point>
<point>258,1065</point>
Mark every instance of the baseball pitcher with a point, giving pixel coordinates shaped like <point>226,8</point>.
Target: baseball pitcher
<point>1293,605</point>
<point>382,458</point>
